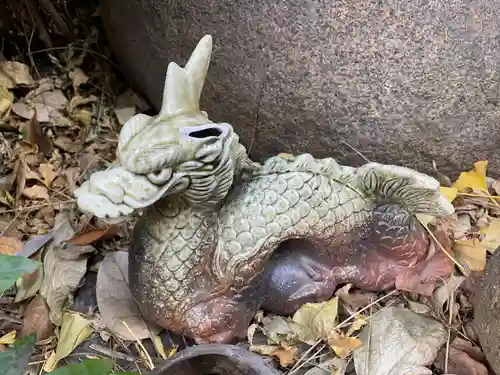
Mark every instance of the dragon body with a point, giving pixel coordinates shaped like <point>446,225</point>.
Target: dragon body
<point>217,226</point>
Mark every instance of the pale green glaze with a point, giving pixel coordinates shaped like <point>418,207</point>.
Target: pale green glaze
<point>213,217</point>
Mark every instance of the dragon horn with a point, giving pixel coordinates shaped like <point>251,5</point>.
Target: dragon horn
<point>183,85</point>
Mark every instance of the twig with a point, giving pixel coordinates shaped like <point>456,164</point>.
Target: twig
<point>112,353</point>
<point>57,18</point>
<point>35,206</point>
<point>79,49</point>
<point>150,361</point>
<point>39,23</point>
<point>10,224</point>
<point>452,295</point>
<point>356,151</point>
<point>461,268</point>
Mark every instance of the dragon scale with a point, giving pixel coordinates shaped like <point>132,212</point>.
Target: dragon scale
<point>213,244</point>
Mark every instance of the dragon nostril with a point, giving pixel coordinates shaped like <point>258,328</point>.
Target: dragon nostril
<point>205,133</point>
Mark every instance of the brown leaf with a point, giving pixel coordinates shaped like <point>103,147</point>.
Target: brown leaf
<point>48,174</point>
<point>115,301</point>
<point>36,319</point>
<point>36,192</point>
<point>464,359</point>
<point>14,73</point>
<point>355,299</point>
<point>10,245</point>
<point>286,356</point>
<point>66,144</point>
<point>36,136</point>
<point>94,235</point>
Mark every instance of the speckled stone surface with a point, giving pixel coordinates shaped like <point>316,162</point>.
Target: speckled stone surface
<point>404,82</point>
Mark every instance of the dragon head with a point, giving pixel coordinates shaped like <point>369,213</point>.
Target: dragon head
<point>178,151</point>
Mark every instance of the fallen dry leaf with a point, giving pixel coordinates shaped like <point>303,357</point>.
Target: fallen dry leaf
<point>463,359</point>
<point>491,240</point>
<point>29,285</point>
<point>115,300</point>
<point>66,144</point>
<point>474,179</point>
<point>443,293</point>
<point>398,341</point>
<point>36,136</point>
<point>6,99</point>
<point>94,235</point>
<point>75,329</point>
<point>343,345</point>
<point>78,77</point>
<point>14,73</point>
<point>315,321</point>
<point>36,319</point>
<point>286,356</point>
<point>355,299</point>
<point>48,174</point>
<point>64,266</point>
<point>124,114</point>
<point>8,338</point>
<point>10,245</point>
<point>470,253</point>
<point>36,192</point>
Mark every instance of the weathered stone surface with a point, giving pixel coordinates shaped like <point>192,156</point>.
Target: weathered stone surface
<point>402,81</point>
<point>487,312</point>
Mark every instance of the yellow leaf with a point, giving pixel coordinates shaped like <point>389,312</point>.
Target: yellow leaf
<point>9,338</point>
<point>158,343</point>
<point>286,356</point>
<point>450,193</point>
<point>75,329</point>
<point>359,322</point>
<point>471,253</point>
<point>475,179</point>
<point>492,235</point>
<point>6,98</point>
<point>314,321</point>
<point>343,345</point>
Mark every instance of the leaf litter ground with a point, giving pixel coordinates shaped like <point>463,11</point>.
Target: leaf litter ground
<point>71,296</point>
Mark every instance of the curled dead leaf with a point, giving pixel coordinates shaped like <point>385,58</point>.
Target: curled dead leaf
<point>286,356</point>
<point>64,265</point>
<point>94,235</point>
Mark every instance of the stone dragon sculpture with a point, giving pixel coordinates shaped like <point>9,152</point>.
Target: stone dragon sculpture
<point>221,236</point>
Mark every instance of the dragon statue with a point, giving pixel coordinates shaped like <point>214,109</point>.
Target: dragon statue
<point>220,236</point>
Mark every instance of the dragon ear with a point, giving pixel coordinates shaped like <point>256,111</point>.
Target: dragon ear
<point>183,86</point>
